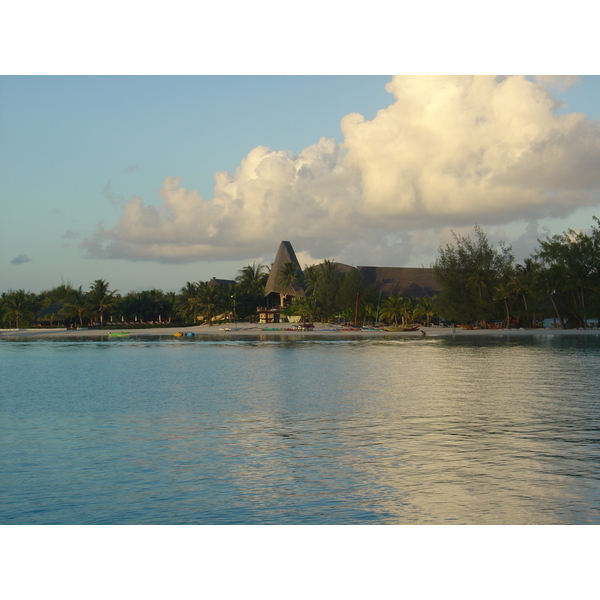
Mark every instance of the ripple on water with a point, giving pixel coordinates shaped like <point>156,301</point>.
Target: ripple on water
<point>253,430</point>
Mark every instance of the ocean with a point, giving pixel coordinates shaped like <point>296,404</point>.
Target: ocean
<point>310,430</point>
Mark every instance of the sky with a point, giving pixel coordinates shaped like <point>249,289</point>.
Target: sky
<point>152,181</point>
<point>150,150</point>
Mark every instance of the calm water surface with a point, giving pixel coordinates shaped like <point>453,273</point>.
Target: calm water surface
<point>486,430</point>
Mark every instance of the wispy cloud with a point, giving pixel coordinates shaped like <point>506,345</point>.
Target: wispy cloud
<point>447,153</point>
<point>110,195</point>
<point>69,235</point>
<point>20,260</point>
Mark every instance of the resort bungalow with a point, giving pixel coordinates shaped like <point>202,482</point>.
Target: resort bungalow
<point>286,282</point>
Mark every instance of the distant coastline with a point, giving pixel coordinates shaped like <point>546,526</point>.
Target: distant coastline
<point>320,330</point>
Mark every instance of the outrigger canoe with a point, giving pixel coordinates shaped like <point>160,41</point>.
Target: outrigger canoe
<point>402,329</point>
<point>118,333</point>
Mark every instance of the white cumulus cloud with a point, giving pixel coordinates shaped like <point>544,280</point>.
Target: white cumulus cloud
<point>448,152</point>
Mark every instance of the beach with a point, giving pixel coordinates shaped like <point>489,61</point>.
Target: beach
<point>286,329</point>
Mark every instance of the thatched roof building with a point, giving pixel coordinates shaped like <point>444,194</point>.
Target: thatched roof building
<point>51,313</point>
<point>284,255</point>
<point>403,281</point>
<point>214,282</point>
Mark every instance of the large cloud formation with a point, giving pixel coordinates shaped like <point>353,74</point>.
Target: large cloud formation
<point>448,152</point>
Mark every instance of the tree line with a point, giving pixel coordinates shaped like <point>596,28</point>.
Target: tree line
<point>479,285</point>
<point>101,306</point>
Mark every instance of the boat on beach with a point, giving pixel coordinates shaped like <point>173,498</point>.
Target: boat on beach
<point>402,329</point>
<point>118,333</point>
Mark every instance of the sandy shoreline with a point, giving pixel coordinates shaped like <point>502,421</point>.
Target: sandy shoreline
<point>253,329</point>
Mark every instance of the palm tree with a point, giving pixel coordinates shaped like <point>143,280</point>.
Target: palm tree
<point>392,308</point>
<point>502,292</point>
<point>100,299</point>
<point>407,311</point>
<point>478,279</point>
<point>425,308</point>
<point>287,278</point>
<point>211,301</point>
<point>368,310</point>
<point>188,301</point>
<point>75,305</point>
<point>250,288</point>
<point>252,279</point>
<point>313,276</point>
<point>18,305</point>
<point>303,307</point>
<point>550,280</point>
<point>524,283</point>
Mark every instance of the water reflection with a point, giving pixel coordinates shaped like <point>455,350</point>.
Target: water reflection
<point>322,431</point>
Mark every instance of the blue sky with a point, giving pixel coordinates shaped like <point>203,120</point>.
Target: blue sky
<point>83,160</point>
<point>79,153</point>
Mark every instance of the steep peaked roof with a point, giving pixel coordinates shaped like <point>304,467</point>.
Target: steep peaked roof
<point>284,254</point>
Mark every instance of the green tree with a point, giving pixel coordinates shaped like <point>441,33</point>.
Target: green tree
<point>312,275</point>
<point>188,302</point>
<point>100,299</point>
<point>302,307</point>
<point>391,309</point>
<point>425,308</point>
<point>287,278</point>
<point>76,305</point>
<point>468,272</point>
<point>211,301</point>
<point>350,285</point>
<point>369,311</point>
<point>524,286</point>
<point>250,289</point>
<point>333,288</point>
<point>572,261</point>
<point>408,309</point>
<point>251,280</point>
<point>19,306</point>
<point>502,294</point>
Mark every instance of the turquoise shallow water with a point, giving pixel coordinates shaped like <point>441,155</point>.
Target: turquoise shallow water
<point>486,430</point>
